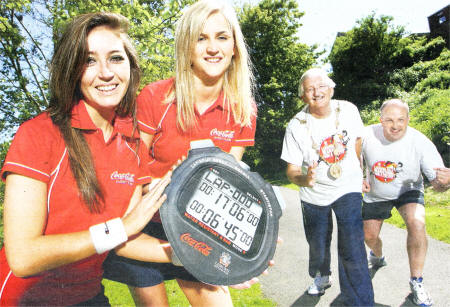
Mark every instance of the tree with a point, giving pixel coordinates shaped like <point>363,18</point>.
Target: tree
<point>3,149</point>
<point>369,60</point>
<point>363,57</point>
<point>22,85</point>
<point>279,59</point>
<point>28,29</point>
<point>431,71</point>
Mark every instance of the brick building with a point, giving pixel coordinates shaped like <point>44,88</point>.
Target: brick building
<point>439,24</point>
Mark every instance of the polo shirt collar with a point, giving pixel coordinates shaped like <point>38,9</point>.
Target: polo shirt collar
<point>219,103</point>
<point>82,120</point>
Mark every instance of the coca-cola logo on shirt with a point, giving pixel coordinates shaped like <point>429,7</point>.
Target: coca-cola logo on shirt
<point>227,135</point>
<point>126,178</point>
<point>386,171</point>
<point>333,148</point>
<point>200,246</point>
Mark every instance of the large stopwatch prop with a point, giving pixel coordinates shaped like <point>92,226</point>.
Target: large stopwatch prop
<point>220,219</point>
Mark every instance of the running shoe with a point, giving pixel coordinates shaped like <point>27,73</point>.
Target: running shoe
<point>375,263</point>
<point>420,295</point>
<point>319,285</point>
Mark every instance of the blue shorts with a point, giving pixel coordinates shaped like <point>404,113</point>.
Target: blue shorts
<point>382,209</point>
<point>143,274</point>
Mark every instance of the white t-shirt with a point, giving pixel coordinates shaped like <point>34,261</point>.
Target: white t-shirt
<point>304,132</point>
<point>397,167</point>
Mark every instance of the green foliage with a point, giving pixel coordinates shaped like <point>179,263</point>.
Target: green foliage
<point>3,150</point>
<point>417,48</point>
<point>151,26</point>
<point>362,57</point>
<point>431,115</point>
<point>22,86</point>
<point>408,79</point>
<point>373,61</point>
<point>279,59</point>
<point>437,80</point>
<point>370,113</point>
<point>28,30</point>
<point>428,83</point>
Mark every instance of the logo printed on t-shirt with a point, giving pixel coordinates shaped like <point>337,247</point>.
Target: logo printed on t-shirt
<point>122,178</point>
<point>226,135</point>
<point>386,171</point>
<point>333,148</point>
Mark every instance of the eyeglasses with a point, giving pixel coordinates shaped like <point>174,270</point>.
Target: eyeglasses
<point>321,88</point>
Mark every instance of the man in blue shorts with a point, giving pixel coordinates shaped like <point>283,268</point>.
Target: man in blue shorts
<point>395,157</point>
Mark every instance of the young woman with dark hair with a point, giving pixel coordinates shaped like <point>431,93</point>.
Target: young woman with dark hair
<point>74,175</point>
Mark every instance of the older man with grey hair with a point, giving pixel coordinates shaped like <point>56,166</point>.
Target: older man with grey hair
<point>396,155</point>
<point>322,147</point>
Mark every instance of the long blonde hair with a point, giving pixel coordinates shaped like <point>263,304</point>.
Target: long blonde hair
<point>238,83</point>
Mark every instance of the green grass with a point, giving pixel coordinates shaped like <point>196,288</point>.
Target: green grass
<point>292,186</point>
<point>250,297</point>
<point>119,295</point>
<point>437,215</point>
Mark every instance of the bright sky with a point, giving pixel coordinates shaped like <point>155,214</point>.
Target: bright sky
<point>324,18</point>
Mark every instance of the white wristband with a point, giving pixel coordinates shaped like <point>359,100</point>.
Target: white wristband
<point>108,235</point>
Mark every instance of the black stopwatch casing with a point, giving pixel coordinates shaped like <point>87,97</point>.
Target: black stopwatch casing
<point>220,219</point>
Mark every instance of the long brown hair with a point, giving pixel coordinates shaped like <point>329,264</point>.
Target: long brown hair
<point>67,67</point>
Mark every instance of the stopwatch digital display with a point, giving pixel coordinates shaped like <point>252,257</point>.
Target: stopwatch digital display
<point>230,214</point>
<point>220,218</point>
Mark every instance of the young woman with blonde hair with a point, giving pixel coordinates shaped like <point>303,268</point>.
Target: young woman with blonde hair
<point>210,97</point>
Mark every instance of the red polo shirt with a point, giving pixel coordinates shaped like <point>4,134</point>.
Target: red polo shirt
<point>170,143</point>
<point>38,151</point>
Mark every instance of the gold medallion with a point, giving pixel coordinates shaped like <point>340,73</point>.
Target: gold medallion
<point>335,170</point>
